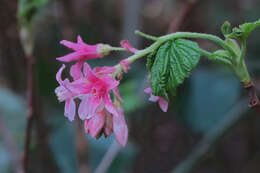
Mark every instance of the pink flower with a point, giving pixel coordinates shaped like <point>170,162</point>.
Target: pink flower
<point>104,122</point>
<point>125,65</point>
<point>125,44</point>
<point>119,127</point>
<point>162,102</point>
<point>96,87</point>
<point>64,93</point>
<point>83,51</point>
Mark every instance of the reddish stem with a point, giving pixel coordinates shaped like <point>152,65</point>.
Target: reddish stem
<point>31,111</point>
<point>253,99</point>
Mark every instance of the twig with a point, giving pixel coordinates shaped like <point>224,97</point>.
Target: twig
<point>11,147</point>
<point>108,158</point>
<point>234,116</point>
<point>31,110</point>
<point>253,99</point>
<point>178,21</point>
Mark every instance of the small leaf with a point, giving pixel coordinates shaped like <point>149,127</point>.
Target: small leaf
<point>172,64</point>
<point>247,28</point>
<point>225,28</point>
<point>244,30</point>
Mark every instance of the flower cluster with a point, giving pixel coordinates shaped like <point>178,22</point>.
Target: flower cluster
<point>93,88</point>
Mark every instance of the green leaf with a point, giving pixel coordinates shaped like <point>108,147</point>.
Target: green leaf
<point>172,64</point>
<point>28,8</point>
<point>247,28</point>
<point>150,60</point>
<point>244,30</point>
<point>225,28</point>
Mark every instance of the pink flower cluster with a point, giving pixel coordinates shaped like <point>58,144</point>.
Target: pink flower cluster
<point>92,87</point>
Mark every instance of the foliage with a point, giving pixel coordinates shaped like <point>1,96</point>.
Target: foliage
<point>172,64</point>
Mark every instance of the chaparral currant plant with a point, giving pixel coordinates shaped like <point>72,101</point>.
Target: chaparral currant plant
<point>170,60</point>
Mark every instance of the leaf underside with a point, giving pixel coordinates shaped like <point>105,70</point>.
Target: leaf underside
<point>171,64</point>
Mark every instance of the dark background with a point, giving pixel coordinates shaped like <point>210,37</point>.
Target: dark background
<point>158,141</point>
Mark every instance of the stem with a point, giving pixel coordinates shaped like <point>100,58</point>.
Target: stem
<point>150,37</point>
<point>201,36</point>
<point>176,35</point>
<point>243,51</point>
<point>215,58</point>
<point>139,54</point>
<point>212,137</point>
<point>31,111</point>
<point>118,49</point>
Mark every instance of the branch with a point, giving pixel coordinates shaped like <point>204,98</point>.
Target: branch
<point>11,147</point>
<point>234,116</point>
<point>31,110</point>
<point>108,158</point>
<point>178,21</point>
<point>253,99</point>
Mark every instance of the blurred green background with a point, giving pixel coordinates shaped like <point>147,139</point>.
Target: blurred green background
<point>158,141</point>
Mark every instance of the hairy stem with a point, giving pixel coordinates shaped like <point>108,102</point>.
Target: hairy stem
<point>210,37</point>
<point>176,35</point>
<point>149,37</point>
<point>211,56</point>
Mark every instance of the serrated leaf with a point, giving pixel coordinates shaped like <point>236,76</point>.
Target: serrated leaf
<point>244,30</point>
<point>172,64</point>
<point>150,60</point>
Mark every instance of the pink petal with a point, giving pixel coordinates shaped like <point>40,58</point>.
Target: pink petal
<point>163,104</point>
<point>117,94</point>
<point>103,70</point>
<point>79,86</point>
<point>75,70</point>
<point>88,73</point>
<point>125,44</point>
<point>70,108</point>
<point>125,65</point>
<point>71,45</point>
<point>153,98</point>
<point>83,110</point>
<point>94,102</point>
<point>110,82</point>
<point>96,124</point>
<point>75,56</point>
<point>109,106</point>
<point>148,90</point>
<point>80,41</point>
<point>120,128</point>
<point>58,74</point>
